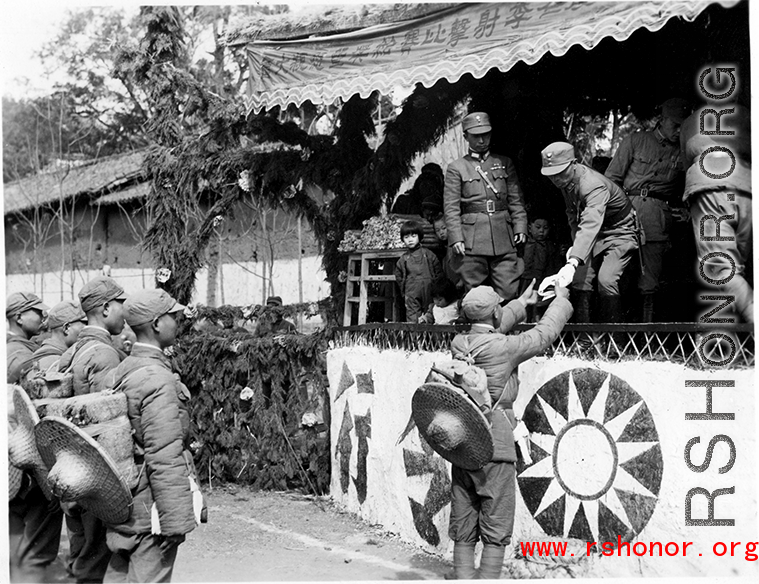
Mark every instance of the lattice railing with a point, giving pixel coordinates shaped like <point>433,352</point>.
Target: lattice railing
<point>694,345</point>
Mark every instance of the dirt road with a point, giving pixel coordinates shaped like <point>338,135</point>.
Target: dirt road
<point>263,536</point>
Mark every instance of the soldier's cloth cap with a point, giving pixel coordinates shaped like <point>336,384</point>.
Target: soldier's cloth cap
<point>98,291</point>
<point>676,109</point>
<point>274,301</point>
<point>477,123</point>
<point>480,303</point>
<point>147,305</point>
<point>19,302</point>
<point>64,313</point>
<point>556,157</point>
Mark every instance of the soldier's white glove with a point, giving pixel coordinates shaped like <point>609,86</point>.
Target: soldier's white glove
<point>566,274</point>
<point>543,289</point>
<point>569,253</point>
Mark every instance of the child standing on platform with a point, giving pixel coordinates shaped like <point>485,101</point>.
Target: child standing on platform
<point>416,271</point>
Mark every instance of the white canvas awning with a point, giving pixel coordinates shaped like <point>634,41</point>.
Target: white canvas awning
<point>468,38</point>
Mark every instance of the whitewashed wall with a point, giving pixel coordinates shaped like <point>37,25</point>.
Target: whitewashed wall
<point>643,415</point>
<point>241,285</point>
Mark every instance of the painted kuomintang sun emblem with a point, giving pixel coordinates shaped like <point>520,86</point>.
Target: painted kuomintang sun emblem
<point>597,462</point>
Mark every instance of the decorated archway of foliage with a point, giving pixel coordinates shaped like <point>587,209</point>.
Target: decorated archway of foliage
<point>202,141</point>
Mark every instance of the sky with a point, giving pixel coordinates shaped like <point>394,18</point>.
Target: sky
<point>24,27</point>
<point>26,24</point>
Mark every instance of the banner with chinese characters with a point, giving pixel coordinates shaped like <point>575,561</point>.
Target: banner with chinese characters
<point>468,38</point>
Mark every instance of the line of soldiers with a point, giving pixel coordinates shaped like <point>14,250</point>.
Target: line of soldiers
<point>612,216</point>
<point>81,343</point>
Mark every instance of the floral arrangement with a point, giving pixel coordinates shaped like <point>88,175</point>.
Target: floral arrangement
<point>380,232</point>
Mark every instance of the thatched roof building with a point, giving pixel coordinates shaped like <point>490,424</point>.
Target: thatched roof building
<point>112,179</point>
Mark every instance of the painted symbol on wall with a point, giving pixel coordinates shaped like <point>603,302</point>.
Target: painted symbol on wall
<point>344,449</point>
<point>363,430</point>
<point>438,494</point>
<point>597,459</point>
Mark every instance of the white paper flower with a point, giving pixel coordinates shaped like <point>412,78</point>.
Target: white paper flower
<point>162,275</point>
<point>244,181</point>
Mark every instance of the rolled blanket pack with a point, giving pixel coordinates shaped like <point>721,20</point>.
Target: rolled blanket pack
<point>102,416</point>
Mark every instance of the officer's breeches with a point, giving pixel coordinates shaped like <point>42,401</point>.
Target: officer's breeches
<point>504,272</point>
<point>609,265</point>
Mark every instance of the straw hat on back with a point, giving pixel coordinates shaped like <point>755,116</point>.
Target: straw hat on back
<point>452,425</point>
<point>15,476</point>
<point>81,471</point>
<point>22,448</point>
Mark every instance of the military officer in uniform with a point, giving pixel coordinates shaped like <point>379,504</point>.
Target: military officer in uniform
<point>720,202</point>
<point>484,212</point>
<point>602,223</point>
<point>647,165</point>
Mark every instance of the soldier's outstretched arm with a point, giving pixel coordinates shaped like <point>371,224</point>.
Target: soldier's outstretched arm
<point>536,340</point>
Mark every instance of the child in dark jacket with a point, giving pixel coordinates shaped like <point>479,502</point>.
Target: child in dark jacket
<point>542,256</point>
<point>416,271</point>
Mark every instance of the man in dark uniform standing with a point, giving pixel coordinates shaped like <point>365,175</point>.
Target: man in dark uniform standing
<point>34,523</point>
<point>65,321</point>
<point>602,223</point>
<point>647,165</point>
<point>484,212</point>
<point>92,361</point>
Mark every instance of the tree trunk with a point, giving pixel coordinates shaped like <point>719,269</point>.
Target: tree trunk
<point>213,272</point>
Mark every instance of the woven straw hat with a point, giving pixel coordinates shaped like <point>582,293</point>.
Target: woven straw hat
<point>22,448</point>
<point>81,471</point>
<point>452,425</point>
<point>15,475</point>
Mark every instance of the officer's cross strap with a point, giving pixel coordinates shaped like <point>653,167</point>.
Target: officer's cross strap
<point>484,176</point>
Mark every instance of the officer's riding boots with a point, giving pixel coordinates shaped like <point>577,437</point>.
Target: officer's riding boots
<point>581,305</point>
<point>491,561</point>
<point>611,312</point>
<point>611,308</point>
<point>463,560</point>
<point>648,308</point>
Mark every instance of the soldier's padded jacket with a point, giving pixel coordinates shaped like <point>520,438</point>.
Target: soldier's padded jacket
<point>483,233</point>
<point>90,360</point>
<point>499,355</point>
<point>158,411</point>
<point>19,353</point>
<point>49,353</point>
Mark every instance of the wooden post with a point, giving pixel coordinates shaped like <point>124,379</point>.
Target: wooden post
<point>221,269</point>
<point>300,274</point>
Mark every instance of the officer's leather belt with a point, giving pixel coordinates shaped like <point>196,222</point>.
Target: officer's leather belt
<point>644,192</point>
<point>491,206</point>
<point>611,219</point>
